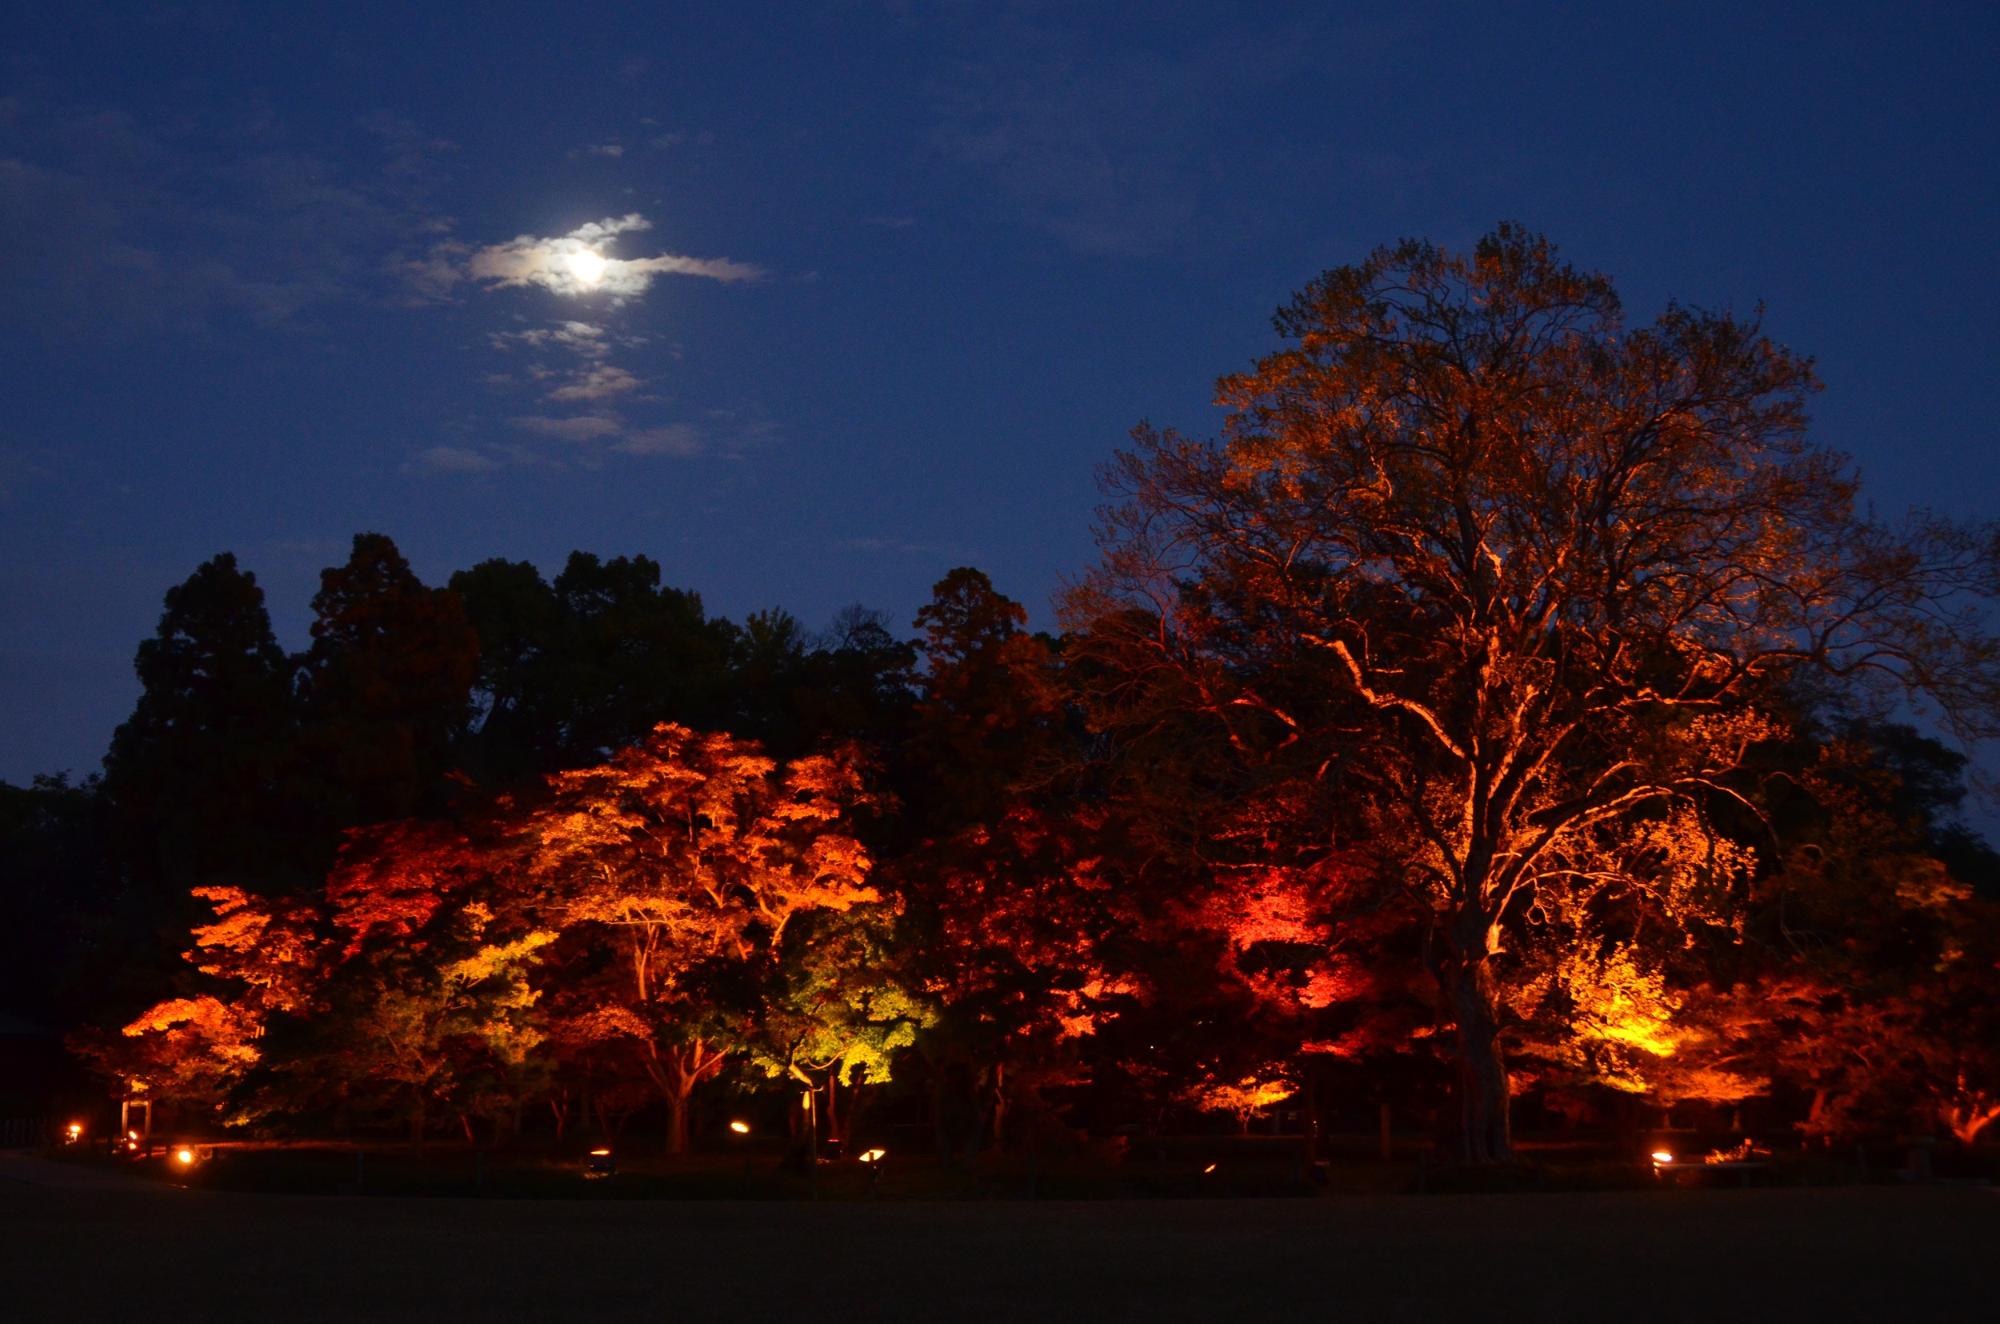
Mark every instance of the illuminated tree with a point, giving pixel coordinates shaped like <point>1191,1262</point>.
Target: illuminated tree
<point>264,958</point>
<point>449,1025</point>
<point>1005,899</point>
<point>1515,572</point>
<point>689,853</point>
<point>1003,931</point>
<point>1882,996</point>
<point>826,1007</point>
<point>1245,1098</point>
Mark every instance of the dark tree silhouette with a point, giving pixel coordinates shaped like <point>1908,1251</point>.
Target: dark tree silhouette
<point>198,777</point>
<point>385,687</point>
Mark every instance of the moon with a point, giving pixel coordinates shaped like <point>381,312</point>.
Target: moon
<point>586,265</point>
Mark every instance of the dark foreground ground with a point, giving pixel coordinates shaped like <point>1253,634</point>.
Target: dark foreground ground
<point>97,1247</point>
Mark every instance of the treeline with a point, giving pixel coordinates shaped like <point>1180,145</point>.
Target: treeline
<point>244,766</point>
<point>1496,716</point>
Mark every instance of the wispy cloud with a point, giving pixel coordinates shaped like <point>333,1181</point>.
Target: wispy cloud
<point>676,439</point>
<point>205,221</point>
<point>578,263</point>
<point>602,382</point>
<point>672,138</point>
<point>452,460</point>
<point>582,338</point>
<point>590,440</point>
<point>580,427</point>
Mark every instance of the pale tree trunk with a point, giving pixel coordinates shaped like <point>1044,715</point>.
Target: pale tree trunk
<point>676,1072</point>
<point>1967,1120</point>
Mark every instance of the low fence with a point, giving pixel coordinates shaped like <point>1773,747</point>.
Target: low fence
<point>25,1132</point>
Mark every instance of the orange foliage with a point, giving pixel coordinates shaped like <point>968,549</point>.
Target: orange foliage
<point>389,880</point>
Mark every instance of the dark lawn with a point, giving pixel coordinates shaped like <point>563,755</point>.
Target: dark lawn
<point>134,1252</point>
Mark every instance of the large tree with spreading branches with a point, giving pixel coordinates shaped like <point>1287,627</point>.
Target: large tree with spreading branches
<point>1516,574</point>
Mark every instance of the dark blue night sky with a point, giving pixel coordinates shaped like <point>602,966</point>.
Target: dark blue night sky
<point>887,281</point>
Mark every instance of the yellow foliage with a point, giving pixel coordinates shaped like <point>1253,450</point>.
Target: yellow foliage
<point>1242,1097</point>
<point>1602,1013</point>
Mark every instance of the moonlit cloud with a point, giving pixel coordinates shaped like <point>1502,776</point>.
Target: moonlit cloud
<point>570,362</point>
<point>581,338</point>
<point>577,264</point>
<point>600,383</point>
<point>584,427</point>
<point>677,439</point>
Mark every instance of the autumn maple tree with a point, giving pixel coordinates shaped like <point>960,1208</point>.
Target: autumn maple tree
<point>683,854</point>
<point>1516,572</point>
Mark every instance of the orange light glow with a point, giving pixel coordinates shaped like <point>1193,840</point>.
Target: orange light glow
<point>600,1153</point>
<point>1663,1156</point>
<point>1210,1168</point>
<point>184,1156</point>
<point>740,1128</point>
<point>873,1155</point>
<point>75,1130</point>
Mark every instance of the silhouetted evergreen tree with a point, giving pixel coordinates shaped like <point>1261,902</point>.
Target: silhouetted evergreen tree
<point>197,776</point>
<point>386,687</point>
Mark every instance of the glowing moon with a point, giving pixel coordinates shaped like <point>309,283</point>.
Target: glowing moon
<point>585,265</point>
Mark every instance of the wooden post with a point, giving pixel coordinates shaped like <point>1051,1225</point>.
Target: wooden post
<point>1309,1122</point>
<point>144,1107</point>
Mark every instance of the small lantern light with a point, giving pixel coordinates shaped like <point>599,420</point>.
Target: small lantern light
<point>600,1163</point>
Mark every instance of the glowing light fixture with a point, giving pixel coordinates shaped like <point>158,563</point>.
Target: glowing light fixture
<point>184,1156</point>
<point>600,1153</point>
<point>872,1155</point>
<point>1663,1156</point>
<point>740,1128</point>
<point>1210,1168</point>
<point>75,1132</point>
